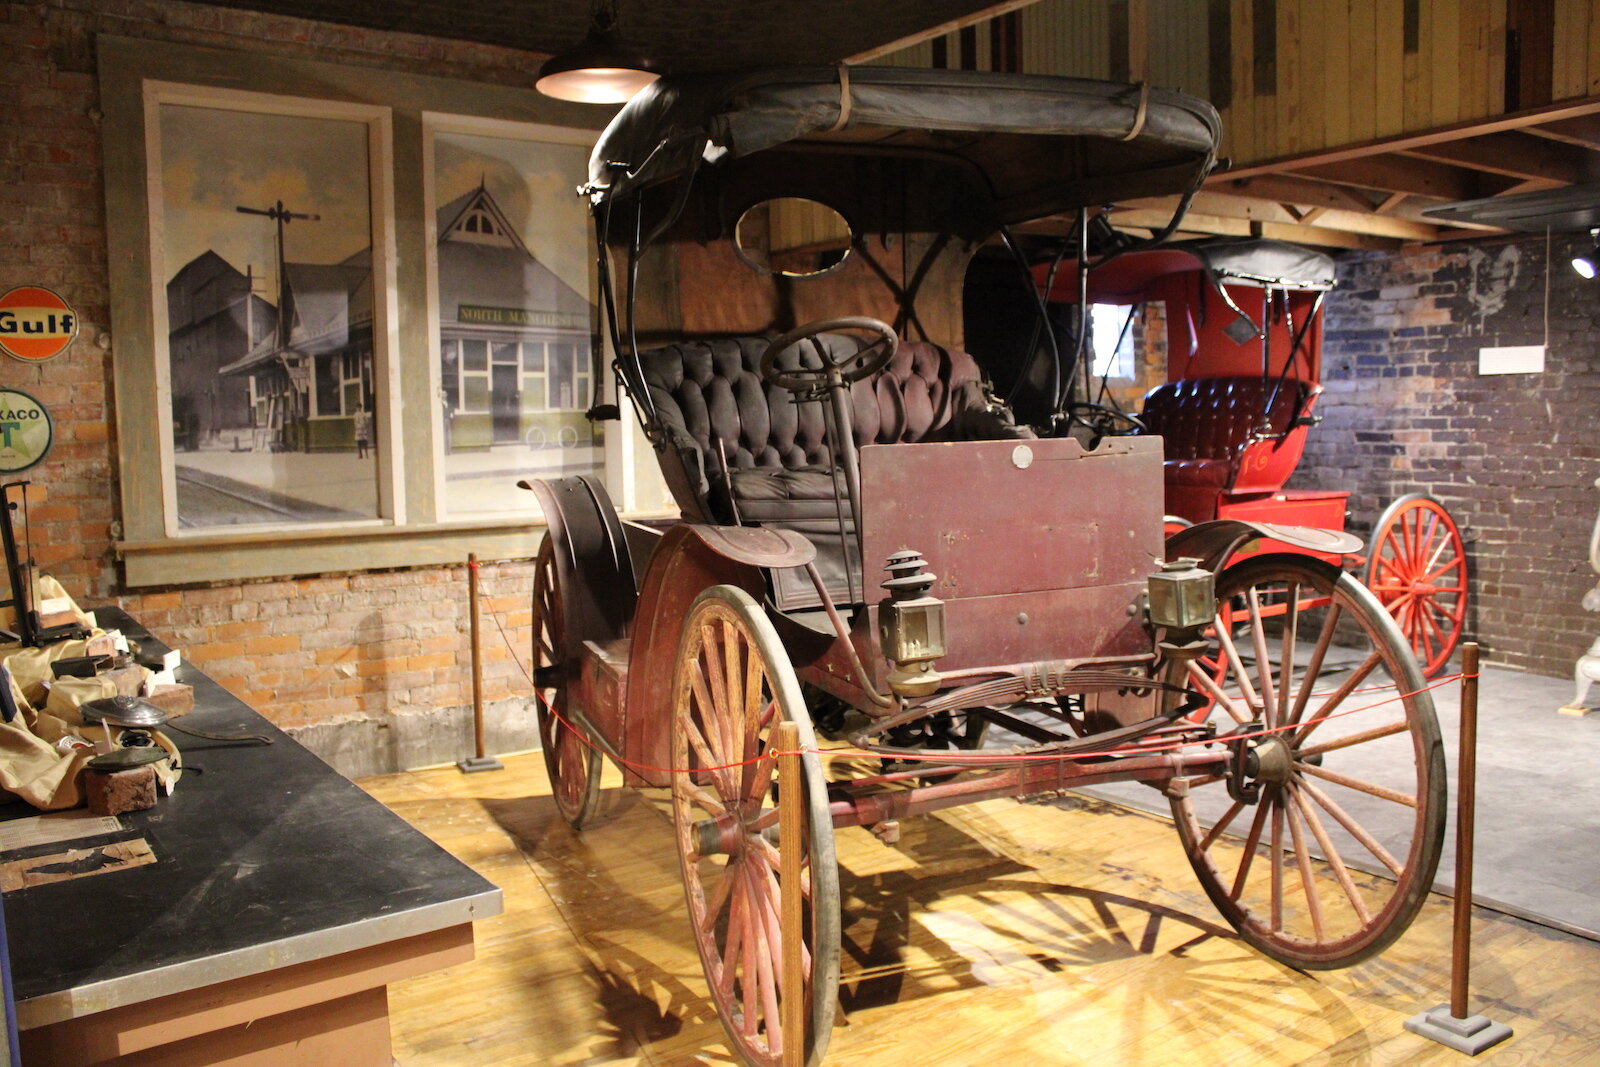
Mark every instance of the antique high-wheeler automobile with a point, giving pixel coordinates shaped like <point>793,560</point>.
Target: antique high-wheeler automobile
<point>782,256</point>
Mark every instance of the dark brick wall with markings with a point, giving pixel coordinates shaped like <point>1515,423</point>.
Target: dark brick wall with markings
<point>1514,457</point>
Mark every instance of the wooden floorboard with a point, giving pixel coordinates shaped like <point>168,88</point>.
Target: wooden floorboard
<point>1001,933</point>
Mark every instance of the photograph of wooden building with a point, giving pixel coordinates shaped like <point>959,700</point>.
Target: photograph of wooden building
<point>516,319</point>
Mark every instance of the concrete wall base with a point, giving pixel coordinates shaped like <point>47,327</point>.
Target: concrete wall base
<point>417,737</point>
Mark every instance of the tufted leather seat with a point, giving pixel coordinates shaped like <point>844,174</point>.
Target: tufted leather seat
<point>743,450</point>
<point>752,449</point>
<point>1220,438</point>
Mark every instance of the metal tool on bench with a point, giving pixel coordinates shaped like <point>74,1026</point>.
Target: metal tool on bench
<point>130,713</point>
<point>136,717</point>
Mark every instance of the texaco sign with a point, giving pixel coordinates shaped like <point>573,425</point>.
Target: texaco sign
<point>25,431</point>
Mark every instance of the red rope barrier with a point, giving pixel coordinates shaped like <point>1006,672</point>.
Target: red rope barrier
<point>986,758</point>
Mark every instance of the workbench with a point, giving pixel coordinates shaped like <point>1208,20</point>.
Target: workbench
<point>281,902</point>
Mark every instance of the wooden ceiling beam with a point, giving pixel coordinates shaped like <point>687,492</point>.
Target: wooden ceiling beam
<point>1379,225</point>
<point>1304,163</point>
<point>1583,131</point>
<point>1411,208</point>
<point>1288,189</point>
<point>1399,174</point>
<point>1514,155</point>
<point>1210,206</point>
<point>1207,203</point>
<point>1320,236</point>
<point>1531,185</point>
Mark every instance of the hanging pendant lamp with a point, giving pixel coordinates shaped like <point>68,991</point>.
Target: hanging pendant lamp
<point>601,69</point>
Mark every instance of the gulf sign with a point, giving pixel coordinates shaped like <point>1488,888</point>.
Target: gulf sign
<point>35,324</point>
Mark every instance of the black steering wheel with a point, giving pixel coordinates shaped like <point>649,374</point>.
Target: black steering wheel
<point>869,359</point>
<point>1105,420</point>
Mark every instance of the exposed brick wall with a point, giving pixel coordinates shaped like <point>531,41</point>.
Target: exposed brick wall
<point>1513,457</point>
<point>313,649</point>
<point>303,651</point>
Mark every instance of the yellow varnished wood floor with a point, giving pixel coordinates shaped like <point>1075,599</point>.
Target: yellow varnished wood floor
<point>1003,933</point>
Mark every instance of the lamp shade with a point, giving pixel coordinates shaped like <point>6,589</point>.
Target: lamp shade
<point>598,71</point>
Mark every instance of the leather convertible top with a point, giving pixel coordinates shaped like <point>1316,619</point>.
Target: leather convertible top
<point>1040,145</point>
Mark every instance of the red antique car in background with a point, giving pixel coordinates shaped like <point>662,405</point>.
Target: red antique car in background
<point>1244,370</point>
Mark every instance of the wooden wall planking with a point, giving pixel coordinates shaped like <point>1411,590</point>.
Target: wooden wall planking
<point>1239,136</point>
<point>1569,72</point>
<point>1593,34</point>
<point>1442,46</point>
<point>1495,62</point>
<point>1180,47</point>
<point>1362,33</point>
<point>1305,75</point>
<point>1339,65</point>
<point>1293,65</point>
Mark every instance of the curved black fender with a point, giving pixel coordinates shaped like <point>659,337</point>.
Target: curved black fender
<point>1214,543</point>
<point>592,561</point>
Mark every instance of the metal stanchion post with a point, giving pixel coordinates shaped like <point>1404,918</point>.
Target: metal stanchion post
<point>1450,1024</point>
<point>482,761</point>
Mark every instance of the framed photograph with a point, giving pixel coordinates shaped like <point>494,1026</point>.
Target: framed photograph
<point>271,307</point>
<point>513,310</point>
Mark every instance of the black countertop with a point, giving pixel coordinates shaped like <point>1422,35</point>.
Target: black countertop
<point>265,858</point>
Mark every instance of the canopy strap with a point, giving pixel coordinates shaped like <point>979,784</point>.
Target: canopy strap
<point>1140,115</point>
<point>844,100</point>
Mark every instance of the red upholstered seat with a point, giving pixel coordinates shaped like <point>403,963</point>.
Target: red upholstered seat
<point>1222,438</point>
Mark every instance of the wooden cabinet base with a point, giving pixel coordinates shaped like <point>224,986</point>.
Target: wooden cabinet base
<point>327,1011</point>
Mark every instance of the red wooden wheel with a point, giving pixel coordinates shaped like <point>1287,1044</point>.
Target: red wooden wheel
<point>1320,840</point>
<point>732,684</point>
<point>1417,567</point>
<point>572,764</point>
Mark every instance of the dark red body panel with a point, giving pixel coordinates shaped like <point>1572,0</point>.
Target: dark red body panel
<point>1039,547</point>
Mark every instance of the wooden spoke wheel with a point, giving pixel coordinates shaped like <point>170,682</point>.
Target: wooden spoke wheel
<point>572,764</point>
<point>1417,567</point>
<point>1319,838</point>
<point>732,685</point>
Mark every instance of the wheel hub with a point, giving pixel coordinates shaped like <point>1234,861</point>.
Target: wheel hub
<point>721,836</point>
<point>1258,761</point>
<point>1271,760</point>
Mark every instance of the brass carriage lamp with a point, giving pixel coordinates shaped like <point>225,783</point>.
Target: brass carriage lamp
<point>1182,595</point>
<point>911,625</point>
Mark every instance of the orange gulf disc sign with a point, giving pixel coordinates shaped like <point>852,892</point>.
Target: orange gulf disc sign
<point>35,324</point>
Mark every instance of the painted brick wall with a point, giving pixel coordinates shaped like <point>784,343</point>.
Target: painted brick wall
<point>302,652</point>
<point>1513,457</point>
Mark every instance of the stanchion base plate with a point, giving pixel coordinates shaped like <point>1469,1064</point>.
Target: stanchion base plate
<point>1470,1035</point>
<point>474,764</point>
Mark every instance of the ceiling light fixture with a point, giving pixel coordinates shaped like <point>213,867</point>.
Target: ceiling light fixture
<point>601,69</point>
<point>1588,264</point>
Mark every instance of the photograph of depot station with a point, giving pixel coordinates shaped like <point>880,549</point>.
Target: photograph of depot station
<point>775,534</point>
